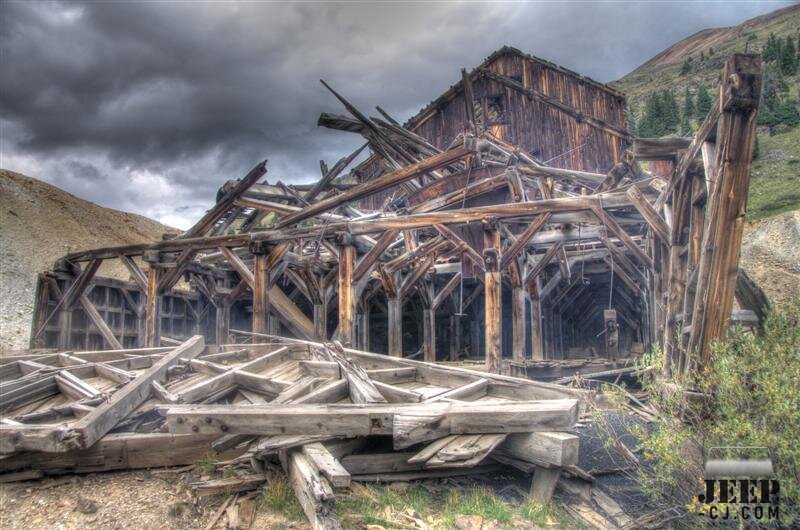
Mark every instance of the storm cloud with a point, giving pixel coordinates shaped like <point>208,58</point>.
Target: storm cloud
<point>149,107</point>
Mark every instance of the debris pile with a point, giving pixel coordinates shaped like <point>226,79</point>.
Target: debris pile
<point>328,414</point>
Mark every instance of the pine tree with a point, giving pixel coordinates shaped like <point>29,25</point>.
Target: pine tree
<point>788,58</point>
<point>704,102</point>
<point>772,49</point>
<point>688,112</point>
<point>710,51</point>
<point>686,67</point>
<point>672,115</point>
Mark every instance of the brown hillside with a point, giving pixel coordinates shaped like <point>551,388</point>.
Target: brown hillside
<point>39,223</point>
<point>714,38</point>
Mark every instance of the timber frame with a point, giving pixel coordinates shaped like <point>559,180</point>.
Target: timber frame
<point>466,246</point>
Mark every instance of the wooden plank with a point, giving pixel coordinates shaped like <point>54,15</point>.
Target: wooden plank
<point>347,300</point>
<point>98,321</point>
<point>472,390</point>
<point>226,202</point>
<point>379,184</point>
<point>363,420</point>
<point>545,449</point>
<point>313,492</point>
<point>86,431</point>
<point>327,465</point>
<point>544,484</point>
<point>650,215</point>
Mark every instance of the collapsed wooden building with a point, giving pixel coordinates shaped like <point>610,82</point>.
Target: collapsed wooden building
<point>511,220</point>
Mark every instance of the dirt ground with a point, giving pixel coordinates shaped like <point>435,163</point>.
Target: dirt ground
<point>771,255</point>
<point>118,500</point>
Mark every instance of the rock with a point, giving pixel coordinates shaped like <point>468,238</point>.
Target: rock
<point>85,505</point>
<point>468,522</point>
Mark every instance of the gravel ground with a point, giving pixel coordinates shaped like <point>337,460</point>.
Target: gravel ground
<point>116,501</point>
<point>771,256</point>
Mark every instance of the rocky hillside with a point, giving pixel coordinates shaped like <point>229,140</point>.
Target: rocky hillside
<point>694,63</point>
<point>715,44</point>
<point>39,223</point>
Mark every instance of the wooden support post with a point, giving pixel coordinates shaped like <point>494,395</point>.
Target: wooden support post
<point>537,352</point>
<point>429,335</point>
<point>260,287</point>
<point>544,484</point>
<point>493,299</point>
<point>518,323</point>
<point>455,337</point>
<point>321,321</point>
<point>40,313</point>
<point>740,90</point>
<point>395,326</point>
<point>347,255</point>
<point>152,329</point>
<point>222,322</point>
<point>611,334</point>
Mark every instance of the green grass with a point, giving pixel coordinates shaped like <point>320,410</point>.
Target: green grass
<point>548,514</point>
<point>278,496</point>
<point>775,184</point>
<point>439,507</point>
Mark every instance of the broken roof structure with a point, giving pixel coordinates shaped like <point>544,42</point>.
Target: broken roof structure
<point>511,221</point>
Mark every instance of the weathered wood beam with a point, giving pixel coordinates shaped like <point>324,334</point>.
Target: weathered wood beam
<point>381,183</point>
<point>654,220</point>
<point>225,203</point>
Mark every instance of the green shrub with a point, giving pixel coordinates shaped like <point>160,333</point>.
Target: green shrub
<point>752,381</point>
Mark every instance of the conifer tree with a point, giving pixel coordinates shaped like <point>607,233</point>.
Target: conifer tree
<point>688,112</point>
<point>704,103</point>
<point>788,58</point>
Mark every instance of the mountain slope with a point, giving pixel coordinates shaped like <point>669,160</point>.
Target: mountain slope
<point>664,70</point>
<point>39,223</point>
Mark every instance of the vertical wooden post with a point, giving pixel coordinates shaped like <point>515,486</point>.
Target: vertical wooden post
<point>395,326</point>
<point>455,337</point>
<point>612,333</point>
<point>518,323</point>
<point>40,311</point>
<point>63,269</point>
<point>152,304</point>
<point>347,257</point>
<point>223,322</point>
<point>260,287</point>
<point>321,321</point>
<point>363,328</point>
<point>740,90</point>
<point>537,351</point>
<point>429,335</point>
<point>493,298</point>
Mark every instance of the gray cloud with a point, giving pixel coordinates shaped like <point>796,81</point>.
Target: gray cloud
<point>150,106</point>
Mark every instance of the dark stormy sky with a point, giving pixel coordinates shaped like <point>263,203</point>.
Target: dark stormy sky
<point>149,107</point>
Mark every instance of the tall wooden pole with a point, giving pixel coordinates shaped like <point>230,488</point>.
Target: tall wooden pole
<point>260,287</point>
<point>395,325</point>
<point>347,257</point>
<point>537,351</point>
<point>740,91</point>
<point>151,319</point>
<point>493,298</point>
<point>518,323</point>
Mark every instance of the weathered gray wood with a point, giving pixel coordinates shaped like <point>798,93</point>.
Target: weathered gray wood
<point>362,420</point>
<point>313,492</point>
<point>546,449</point>
<point>327,464</point>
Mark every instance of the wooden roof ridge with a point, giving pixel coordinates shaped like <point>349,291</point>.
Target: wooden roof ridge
<point>456,88</point>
